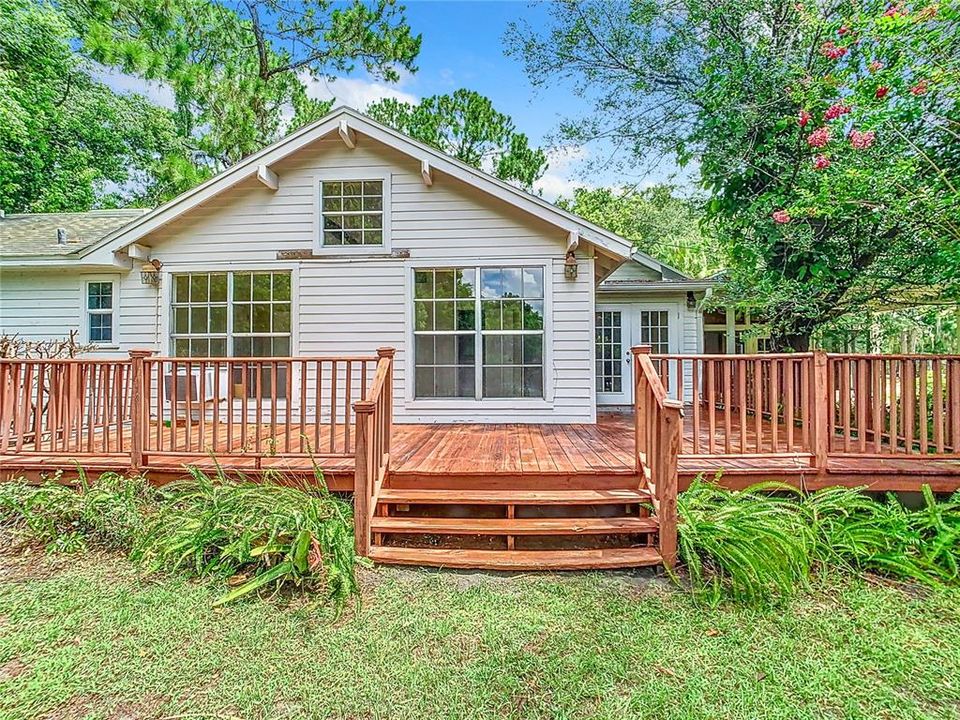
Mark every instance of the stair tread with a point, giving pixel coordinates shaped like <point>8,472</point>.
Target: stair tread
<point>512,497</point>
<point>518,559</point>
<point>514,526</point>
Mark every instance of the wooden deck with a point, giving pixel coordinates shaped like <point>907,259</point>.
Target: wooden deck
<point>563,496</point>
<point>510,455</point>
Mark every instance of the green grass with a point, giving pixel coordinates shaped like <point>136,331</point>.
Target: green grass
<point>89,636</point>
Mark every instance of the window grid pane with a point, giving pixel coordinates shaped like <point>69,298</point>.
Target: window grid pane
<point>655,330</point>
<point>609,351</point>
<point>352,212</point>
<point>100,312</point>
<point>510,324</point>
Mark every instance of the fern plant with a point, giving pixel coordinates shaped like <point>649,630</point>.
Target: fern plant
<point>751,546</point>
<point>267,534</point>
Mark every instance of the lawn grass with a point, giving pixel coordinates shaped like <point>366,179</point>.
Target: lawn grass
<point>88,636</point>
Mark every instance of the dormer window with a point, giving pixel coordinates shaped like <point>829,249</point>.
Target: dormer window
<point>354,213</point>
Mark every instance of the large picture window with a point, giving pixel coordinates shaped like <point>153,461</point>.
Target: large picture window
<point>234,314</point>
<point>479,332</point>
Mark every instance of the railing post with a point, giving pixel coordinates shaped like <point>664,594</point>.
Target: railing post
<point>667,479</point>
<point>822,409</point>
<point>362,477</point>
<point>138,421</point>
<point>388,352</point>
<point>639,409</point>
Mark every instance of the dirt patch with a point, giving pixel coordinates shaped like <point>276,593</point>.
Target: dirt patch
<point>12,668</point>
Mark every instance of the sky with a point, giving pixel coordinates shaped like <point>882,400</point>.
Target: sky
<point>463,47</point>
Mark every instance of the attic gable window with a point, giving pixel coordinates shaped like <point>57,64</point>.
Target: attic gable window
<point>354,212</point>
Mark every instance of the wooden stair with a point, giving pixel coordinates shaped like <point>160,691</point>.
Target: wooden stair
<point>600,559</point>
<point>542,528</point>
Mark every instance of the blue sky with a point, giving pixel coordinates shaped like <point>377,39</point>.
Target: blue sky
<point>463,47</point>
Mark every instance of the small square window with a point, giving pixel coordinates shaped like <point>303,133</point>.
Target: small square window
<point>352,212</point>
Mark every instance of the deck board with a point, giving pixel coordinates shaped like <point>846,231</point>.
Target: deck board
<point>577,452</point>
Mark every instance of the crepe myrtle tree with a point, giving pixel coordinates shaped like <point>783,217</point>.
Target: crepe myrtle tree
<point>826,134</point>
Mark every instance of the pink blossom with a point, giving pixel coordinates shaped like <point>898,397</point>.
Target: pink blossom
<point>920,88</point>
<point>843,30</point>
<point>821,162</point>
<point>881,92</point>
<point>781,217</point>
<point>819,137</point>
<point>862,140</point>
<point>804,118</point>
<point>895,11</point>
<point>835,111</point>
<point>832,51</point>
<point>875,66</point>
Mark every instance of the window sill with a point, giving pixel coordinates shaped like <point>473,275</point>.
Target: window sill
<point>485,404</point>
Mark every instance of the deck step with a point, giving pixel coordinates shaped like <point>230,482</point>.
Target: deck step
<point>415,496</point>
<point>515,526</point>
<point>518,559</point>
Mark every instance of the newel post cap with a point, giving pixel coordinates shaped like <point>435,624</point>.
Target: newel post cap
<point>134,354</point>
<point>641,349</point>
<point>364,407</point>
<point>386,352</point>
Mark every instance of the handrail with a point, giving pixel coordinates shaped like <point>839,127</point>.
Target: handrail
<point>657,429</point>
<point>374,420</point>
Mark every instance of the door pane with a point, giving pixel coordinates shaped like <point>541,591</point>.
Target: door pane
<point>609,351</point>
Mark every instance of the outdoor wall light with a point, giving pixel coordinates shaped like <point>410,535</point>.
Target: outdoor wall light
<point>691,300</point>
<point>570,266</point>
<point>150,273</point>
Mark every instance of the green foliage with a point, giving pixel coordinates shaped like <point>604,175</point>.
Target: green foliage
<point>267,534</point>
<point>466,126</point>
<point>722,85</point>
<point>758,545</point>
<point>237,69</point>
<point>67,141</point>
<point>109,512</point>
<point>750,545</point>
<point>657,220</point>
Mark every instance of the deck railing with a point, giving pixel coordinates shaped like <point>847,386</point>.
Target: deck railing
<point>811,406</point>
<point>255,407</point>
<point>657,426</point>
<point>80,407</point>
<point>374,424</point>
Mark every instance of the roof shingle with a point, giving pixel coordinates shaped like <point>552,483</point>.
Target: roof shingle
<point>35,234</point>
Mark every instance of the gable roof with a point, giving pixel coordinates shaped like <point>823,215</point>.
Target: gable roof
<point>612,243</point>
<point>24,235</point>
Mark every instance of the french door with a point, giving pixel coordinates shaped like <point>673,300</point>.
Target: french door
<point>612,351</point>
<point>620,327</point>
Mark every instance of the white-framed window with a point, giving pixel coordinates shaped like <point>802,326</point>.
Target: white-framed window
<point>235,314</point>
<point>354,212</point>
<point>232,314</point>
<point>479,332</point>
<point>100,300</point>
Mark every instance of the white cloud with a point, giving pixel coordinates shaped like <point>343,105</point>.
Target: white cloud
<point>560,179</point>
<point>159,93</point>
<point>357,93</point>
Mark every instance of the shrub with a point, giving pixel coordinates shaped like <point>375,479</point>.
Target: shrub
<point>759,545</point>
<point>748,545</point>
<point>270,534</point>
<point>855,531</point>
<point>108,513</point>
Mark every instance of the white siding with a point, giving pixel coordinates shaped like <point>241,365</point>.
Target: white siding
<point>356,304</point>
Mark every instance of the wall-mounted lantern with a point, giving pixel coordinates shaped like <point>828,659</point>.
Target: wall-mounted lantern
<point>570,266</point>
<point>691,300</point>
<point>150,273</point>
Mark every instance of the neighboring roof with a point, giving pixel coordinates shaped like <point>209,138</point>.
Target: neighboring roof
<point>651,285</point>
<point>35,234</point>
<point>357,122</point>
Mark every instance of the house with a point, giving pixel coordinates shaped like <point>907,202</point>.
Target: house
<point>441,344</point>
<point>347,236</point>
